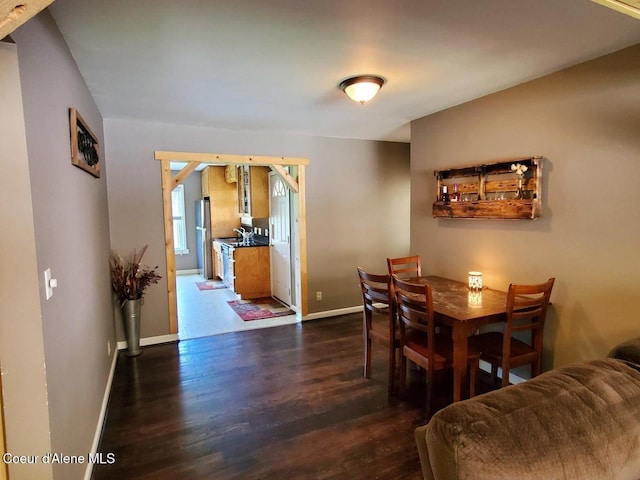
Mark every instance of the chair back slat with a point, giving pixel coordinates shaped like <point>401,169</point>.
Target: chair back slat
<point>376,303</point>
<point>373,295</point>
<point>527,306</point>
<point>414,308</point>
<point>375,288</point>
<point>405,267</point>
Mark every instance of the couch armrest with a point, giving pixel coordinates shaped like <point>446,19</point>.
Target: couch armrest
<point>573,423</point>
<point>628,351</point>
<point>423,452</point>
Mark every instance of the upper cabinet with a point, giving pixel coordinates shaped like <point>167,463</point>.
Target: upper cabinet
<point>223,201</point>
<point>510,189</point>
<point>253,191</point>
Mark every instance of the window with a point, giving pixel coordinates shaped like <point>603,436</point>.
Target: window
<point>279,189</point>
<point>179,221</point>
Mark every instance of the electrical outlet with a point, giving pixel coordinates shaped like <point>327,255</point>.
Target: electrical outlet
<point>318,296</point>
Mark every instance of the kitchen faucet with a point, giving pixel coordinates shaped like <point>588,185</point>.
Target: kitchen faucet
<point>246,236</point>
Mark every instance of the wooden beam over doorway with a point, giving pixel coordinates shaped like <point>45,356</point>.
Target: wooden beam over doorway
<point>194,160</point>
<point>223,158</point>
<point>286,178</point>
<point>184,173</point>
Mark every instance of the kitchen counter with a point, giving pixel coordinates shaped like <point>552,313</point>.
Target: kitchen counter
<point>237,242</point>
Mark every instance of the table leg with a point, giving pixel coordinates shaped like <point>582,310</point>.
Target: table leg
<point>460,334</point>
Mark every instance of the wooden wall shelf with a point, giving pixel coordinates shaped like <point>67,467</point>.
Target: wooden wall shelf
<point>491,191</point>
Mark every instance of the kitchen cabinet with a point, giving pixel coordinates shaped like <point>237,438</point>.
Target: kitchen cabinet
<point>244,269</point>
<point>223,201</point>
<point>252,272</point>
<point>491,190</point>
<point>253,191</point>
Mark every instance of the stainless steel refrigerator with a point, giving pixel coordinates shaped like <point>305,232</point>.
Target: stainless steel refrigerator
<point>203,238</point>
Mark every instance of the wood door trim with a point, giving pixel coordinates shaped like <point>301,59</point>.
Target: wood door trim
<point>228,159</point>
<point>166,158</point>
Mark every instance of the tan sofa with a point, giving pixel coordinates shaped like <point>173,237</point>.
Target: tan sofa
<point>579,422</point>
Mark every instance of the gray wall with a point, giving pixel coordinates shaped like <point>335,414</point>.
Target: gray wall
<point>192,193</point>
<point>24,386</point>
<point>585,122</point>
<point>71,225</point>
<point>357,202</point>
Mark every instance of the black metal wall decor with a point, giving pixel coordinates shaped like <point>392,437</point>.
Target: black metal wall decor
<point>84,145</point>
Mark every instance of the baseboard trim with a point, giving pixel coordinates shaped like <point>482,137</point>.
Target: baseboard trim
<point>192,271</point>
<point>331,313</point>
<point>103,412</point>
<point>513,379</point>
<point>145,342</point>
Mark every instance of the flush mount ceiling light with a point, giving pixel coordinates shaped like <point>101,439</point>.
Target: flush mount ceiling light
<point>361,88</point>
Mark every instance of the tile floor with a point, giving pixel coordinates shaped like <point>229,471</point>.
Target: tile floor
<point>202,313</point>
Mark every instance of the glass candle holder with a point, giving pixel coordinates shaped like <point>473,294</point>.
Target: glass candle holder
<point>475,298</point>
<point>475,281</point>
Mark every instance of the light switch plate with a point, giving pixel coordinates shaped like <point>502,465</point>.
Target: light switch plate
<point>47,283</point>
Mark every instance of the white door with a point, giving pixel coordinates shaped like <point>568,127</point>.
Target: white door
<point>280,239</point>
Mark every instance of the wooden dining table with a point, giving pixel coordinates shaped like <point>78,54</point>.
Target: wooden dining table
<point>463,311</point>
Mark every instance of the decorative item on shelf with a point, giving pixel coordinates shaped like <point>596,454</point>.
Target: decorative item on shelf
<point>475,281</point>
<point>445,194</point>
<point>130,279</point>
<point>520,170</point>
<point>455,196</point>
<point>231,174</point>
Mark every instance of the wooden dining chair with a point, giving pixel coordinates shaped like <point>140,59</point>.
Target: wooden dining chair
<point>419,340</point>
<point>378,320</point>
<point>405,267</point>
<point>526,312</point>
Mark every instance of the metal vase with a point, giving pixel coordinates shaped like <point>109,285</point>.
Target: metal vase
<point>131,322</point>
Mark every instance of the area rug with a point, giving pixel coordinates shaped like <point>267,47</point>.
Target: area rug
<point>259,308</point>
<point>210,285</point>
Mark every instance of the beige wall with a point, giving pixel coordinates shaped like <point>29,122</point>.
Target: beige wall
<point>357,214</point>
<point>357,202</point>
<point>584,121</point>
<point>71,237</point>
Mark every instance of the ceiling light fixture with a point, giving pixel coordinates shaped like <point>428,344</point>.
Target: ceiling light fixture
<point>361,88</point>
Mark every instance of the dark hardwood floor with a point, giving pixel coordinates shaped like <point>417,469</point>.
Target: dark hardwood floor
<point>281,403</point>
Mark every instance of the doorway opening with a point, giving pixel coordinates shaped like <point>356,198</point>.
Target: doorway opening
<point>191,161</point>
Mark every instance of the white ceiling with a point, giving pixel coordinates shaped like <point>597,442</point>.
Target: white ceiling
<point>274,65</point>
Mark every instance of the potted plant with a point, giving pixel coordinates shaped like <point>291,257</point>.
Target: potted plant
<point>130,279</point>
